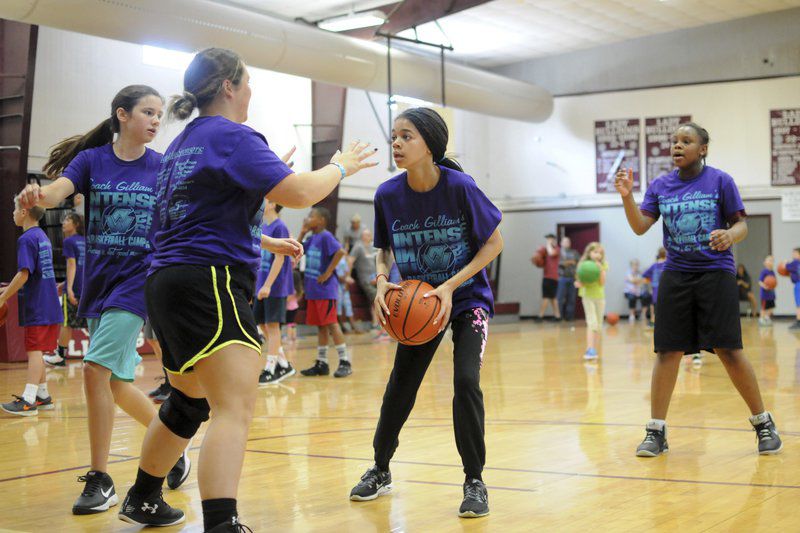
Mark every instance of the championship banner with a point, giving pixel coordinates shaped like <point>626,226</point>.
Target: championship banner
<point>657,142</point>
<point>785,132</point>
<point>616,146</point>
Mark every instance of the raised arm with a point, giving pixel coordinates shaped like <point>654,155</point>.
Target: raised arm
<point>48,196</point>
<point>638,222</point>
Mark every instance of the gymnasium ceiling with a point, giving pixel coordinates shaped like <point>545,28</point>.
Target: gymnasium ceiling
<point>498,32</point>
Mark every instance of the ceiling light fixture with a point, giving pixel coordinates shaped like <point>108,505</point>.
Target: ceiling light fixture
<point>352,21</point>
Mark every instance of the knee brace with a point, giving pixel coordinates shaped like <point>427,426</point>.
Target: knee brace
<point>183,415</point>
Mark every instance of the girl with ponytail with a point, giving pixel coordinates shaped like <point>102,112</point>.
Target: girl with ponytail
<point>116,172</point>
<point>439,227</point>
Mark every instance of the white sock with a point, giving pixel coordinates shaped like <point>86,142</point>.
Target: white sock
<point>42,391</point>
<point>282,358</point>
<point>341,349</point>
<point>760,418</point>
<point>655,423</point>
<point>30,392</point>
<point>271,360</point>
<point>322,353</point>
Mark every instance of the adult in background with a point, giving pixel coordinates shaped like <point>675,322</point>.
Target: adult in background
<point>353,233</point>
<point>547,257</point>
<point>567,265</point>
<point>363,254</point>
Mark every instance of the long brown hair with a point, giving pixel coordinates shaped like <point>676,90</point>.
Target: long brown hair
<point>64,152</point>
<point>203,80</point>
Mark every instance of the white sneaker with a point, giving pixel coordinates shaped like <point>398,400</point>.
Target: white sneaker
<point>54,360</point>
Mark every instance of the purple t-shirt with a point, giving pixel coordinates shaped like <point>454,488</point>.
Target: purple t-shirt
<point>320,249</point>
<point>75,248</point>
<point>794,270</point>
<point>211,189</point>
<point>38,298</point>
<point>284,284</point>
<point>120,203</point>
<point>692,209</point>
<point>763,293</point>
<point>435,234</point>
<point>653,273</point>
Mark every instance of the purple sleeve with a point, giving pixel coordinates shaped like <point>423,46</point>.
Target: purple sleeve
<point>649,205</point>
<point>381,233</point>
<point>649,272</point>
<point>731,200</point>
<point>254,167</point>
<point>764,274</point>
<point>27,254</point>
<point>485,216</point>
<point>281,232</point>
<point>69,249</point>
<point>78,172</point>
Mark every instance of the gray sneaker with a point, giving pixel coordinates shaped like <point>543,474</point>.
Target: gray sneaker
<point>476,500</point>
<point>769,442</point>
<point>374,483</point>
<point>654,443</point>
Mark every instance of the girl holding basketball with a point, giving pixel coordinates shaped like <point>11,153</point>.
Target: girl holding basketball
<point>439,227</point>
<point>698,304</point>
<point>593,295</point>
<point>767,293</point>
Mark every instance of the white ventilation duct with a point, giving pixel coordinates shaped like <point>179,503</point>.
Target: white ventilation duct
<point>286,47</point>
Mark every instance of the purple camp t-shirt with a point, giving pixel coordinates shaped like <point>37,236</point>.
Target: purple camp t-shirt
<point>211,189</point>
<point>435,234</point>
<point>38,298</point>
<point>691,210</point>
<point>120,203</point>
<point>75,248</point>
<point>320,249</point>
<point>284,284</point>
<point>794,270</point>
<point>765,294</point>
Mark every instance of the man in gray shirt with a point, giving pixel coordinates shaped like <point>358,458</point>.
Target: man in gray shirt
<point>363,254</point>
<point>567,266</point>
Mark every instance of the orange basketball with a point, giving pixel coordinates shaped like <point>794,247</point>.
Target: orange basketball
<point>3,313</point>
<point>770,282</point>
<point>612,318</point>
<point>410,319</point>
<point>539,258</point>
<point>782,269</point>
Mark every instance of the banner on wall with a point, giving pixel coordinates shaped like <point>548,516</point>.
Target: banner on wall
<point>657,142</point>
<point>616,146</point>
<point>785,130</point>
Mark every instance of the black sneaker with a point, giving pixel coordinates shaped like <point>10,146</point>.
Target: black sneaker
<point>162,390</point>
<point>769,442</point>
<point>230,527</point>
<point>320,368</point>
<point>45,404</point>
<point>374,483</point>
<point>98,494</point>
<point>476,500</point>
<point>344,370</point>
<point>179,472</point>
<point>654,443</point>
<point>20,407</point>
<point>278,375</point>
<point>150,511</point>
<point>266,378</point>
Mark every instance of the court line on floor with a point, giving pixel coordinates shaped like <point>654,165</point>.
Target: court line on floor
<point>62,470</point>
<point>544,472</point>
<point>491,487</point>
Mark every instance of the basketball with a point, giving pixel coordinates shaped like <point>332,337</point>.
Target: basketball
<point>3,314</point>
<point>588,272</point>
<point>782,269</point>
<point>770,282</point>
<point>411,316</point>
<point>539,258</point>
<point>612,318</point>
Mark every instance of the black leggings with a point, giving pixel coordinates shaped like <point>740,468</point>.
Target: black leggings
<point>470,330</point>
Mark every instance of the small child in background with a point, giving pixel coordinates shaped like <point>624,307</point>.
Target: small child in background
<point>344,304</point>
<point>652,275</point>
<point>767,295</point>
<point>633,289</point>
<point>292,305</point>
<point>594,298</point>
<point>39,310</point>
<point>793,267</point>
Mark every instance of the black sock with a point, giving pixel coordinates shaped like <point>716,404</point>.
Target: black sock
<point>62,352</point>
<point>218,511</point>
<point>146,484</point>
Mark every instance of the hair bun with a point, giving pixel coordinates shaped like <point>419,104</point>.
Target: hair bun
<point>189,96</point>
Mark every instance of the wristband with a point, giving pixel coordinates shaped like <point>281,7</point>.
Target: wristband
<point>341,169</point>
<point>379,275</point>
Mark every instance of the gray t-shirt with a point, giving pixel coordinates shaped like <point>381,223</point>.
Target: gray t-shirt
<point>568,254</point>
<point>364,261</point>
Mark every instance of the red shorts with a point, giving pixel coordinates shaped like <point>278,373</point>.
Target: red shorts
<point>320,312</point>
<point>41,338</point>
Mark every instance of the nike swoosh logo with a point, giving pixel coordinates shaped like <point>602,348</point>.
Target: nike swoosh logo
<point>106,493</point>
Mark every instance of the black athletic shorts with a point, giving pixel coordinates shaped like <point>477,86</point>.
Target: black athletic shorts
<point>549,288</point>
<point>768,304</point>
<point>697,311</point>
<point>196,310</point>
<point>270,310</point>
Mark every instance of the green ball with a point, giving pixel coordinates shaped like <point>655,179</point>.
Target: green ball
<point>588,272</point>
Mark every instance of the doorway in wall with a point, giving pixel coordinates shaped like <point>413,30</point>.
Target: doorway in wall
<point>752,251</point>
<point>581,234</point>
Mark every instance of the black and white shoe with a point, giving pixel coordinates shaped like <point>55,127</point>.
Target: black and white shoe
<point>230,527</point>
<point>654,443</point>
<point>374,483</point>
<point>98,494</point>
<point>476,500</point>
<point>277,375</point>
<point>320,368</point>
<point>55,360</point>
<point>179,472</point>
<point>149,511</point>
<point>769,442</point>
<point>344,370</point>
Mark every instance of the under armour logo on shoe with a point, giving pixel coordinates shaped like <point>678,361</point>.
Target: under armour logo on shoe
<point>152,509</point>
<point>235,521</point>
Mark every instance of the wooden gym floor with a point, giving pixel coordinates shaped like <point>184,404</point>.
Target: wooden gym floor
<point>560,436</point>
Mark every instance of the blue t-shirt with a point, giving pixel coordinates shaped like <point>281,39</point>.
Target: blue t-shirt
<point>120,203</point>
<point>284,284</point>
<point>211,189</point>
<point>75,248</point>
<point>435,234</point>
<point>691,210</point>
<point>38,298</point>
<point>794,270</point>
<point>320,249</point>
<point>765,294</point>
